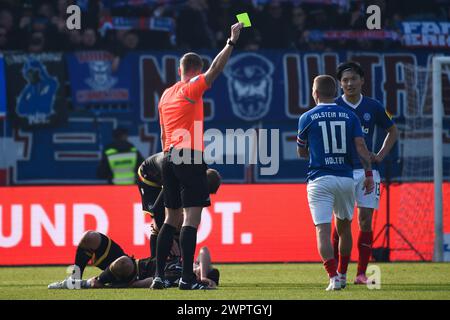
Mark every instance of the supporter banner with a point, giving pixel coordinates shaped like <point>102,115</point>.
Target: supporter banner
<point>125,23</point>
<point>431,34</point>
<point>128,3</point>
<point>94,82</point>
<point>341,3</point>
<point>426,34</point>
<point>245,223</point>
<point>269,86</point>
<point>35,89</point>
<point>258,90</point>
<point>317,35</point>
<point>2,88</point>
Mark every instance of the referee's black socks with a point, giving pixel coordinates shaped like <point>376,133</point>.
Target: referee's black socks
<point>188,242</point>
<point>164,244</point>
<point>153,244</point>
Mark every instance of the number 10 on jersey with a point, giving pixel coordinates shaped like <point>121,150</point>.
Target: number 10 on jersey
<point>335,126</point>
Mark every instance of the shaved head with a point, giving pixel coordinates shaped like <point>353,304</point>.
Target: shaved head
<point>191,63</point>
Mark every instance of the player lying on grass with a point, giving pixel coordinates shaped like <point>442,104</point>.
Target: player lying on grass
<point>150,188</point>
<point>123,271</point>
<point>102,251</point>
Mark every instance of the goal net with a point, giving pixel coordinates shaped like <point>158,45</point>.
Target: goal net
<point>418,221</point>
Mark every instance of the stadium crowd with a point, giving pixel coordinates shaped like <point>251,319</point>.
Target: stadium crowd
<point>123,25</point>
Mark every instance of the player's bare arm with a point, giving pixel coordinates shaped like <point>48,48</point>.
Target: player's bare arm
<point>388,143</point>
<point>364,155</point>
<point>205,265</point>
<point>144,283</point>
<point>221,59</point>
<point>204,259</point>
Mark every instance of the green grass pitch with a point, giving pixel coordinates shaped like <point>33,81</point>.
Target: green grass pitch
<point>247,281</point>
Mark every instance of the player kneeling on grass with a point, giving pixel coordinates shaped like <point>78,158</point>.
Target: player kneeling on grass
<point>123,271</point>
<point>152,195</point>
<point>327,135</point>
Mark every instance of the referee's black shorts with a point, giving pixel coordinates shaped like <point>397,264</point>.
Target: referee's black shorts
<point>185,184</point>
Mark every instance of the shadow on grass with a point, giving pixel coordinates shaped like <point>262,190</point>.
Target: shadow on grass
<point>415,287</point>
<point>268,285</point>
<point>309,286</point>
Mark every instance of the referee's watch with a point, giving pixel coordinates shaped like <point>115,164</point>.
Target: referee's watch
<point>230,43</point>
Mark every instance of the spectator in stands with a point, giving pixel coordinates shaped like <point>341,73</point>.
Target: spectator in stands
<point>56,16</point>
<point>193,31</point>
<point>74,40</point>
<point>357,17</point>
<point>444,13</point>
<point>130,41</point>
<point>91,14</point>
<point>320,20</point>
<point>273,26</point>
<point>12,35</point>
<point>394,22</point>
<point>46,10</point>
<point>61,7</point>
<point>200,23</point>
<point>7,20</point>
<point>25,18</point>
<point>39,23</point>
<point>120,43</point>
<point>37,42</point>
<point>89,40</point>
<point>298,22</point>
<point>3,38</point>
<point>253,42</point>
<point>220,16</point>
<point>160,39</point>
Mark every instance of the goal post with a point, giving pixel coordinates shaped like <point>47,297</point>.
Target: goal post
<point>438,114</point>
<point>424,158</point>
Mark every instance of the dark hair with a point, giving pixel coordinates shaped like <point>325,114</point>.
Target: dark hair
<point>349,66</point>
<point>214,275</point>
<point>120,133</point>
<point>191,62</point>
<point>214,180</point>
<point>325,86</point>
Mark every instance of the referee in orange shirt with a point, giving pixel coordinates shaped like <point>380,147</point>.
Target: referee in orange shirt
<point>184,170</point>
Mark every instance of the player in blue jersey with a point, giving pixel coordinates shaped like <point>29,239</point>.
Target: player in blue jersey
<point>329,135</point>
<point>371,114</point>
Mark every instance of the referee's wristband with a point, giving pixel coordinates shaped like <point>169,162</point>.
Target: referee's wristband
<point>368,173</point>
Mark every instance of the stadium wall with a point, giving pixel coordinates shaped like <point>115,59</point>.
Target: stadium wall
<point>245,223</point>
